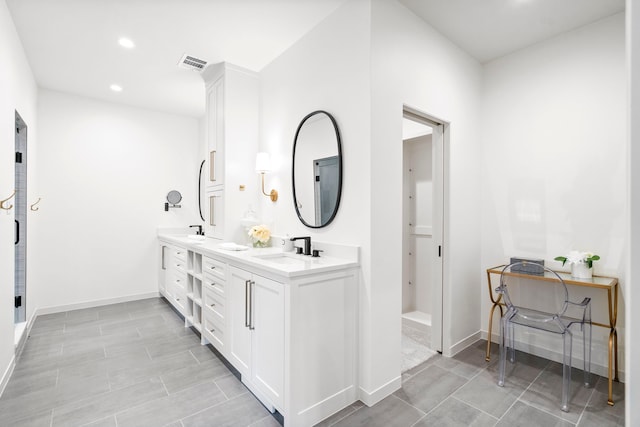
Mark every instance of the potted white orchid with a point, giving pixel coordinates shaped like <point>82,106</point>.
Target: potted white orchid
<point>260,235</point>
<point>581,263</point>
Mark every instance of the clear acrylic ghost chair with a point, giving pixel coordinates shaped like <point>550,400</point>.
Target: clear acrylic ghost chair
<point>546,307</point>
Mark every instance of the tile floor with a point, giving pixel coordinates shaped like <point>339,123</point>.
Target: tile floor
<point>134,364</point>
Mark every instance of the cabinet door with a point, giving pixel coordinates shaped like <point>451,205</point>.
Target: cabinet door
<point>215,133</point>
<point>267,340</point>
<point>239,339</point>
<point>214,227</point>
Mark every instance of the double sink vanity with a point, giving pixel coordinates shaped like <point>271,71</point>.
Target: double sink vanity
<point>287,322</point>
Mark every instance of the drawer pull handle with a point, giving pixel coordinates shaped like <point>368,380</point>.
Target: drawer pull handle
<point>212,268</point>
<point>212,330</point>
<point>213,305</point>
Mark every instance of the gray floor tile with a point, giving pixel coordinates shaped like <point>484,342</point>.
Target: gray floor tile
<point>231,386</point>
<point>454,413</point>
<point>390,412</point>
<point>88,410</point>
<point>483,393</point>
<point>267,421</point>
<point>523,371</point>
<point>110,421</point>
<point>151,321</point>
<point>428,388</point>
<point>41,419</point>
<point>41,365</point>
<point>172,408</point>
<point>468,362</point>
<point>522,414</point>
<point>204,354</point>
<point>155,368</point>
<point>240,411</point>
<point>22,384</point>
<point>336,417</point>
<point>168,347</point>
<point>137,361</point>
<point>598,402</point>
<point>193,374</point>
<point>545,393</point>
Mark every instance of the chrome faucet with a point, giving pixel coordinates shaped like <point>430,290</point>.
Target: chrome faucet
<point>307,243</point>
<point>199,232</point>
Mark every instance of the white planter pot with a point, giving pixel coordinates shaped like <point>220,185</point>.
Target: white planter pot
<point>581,270</point>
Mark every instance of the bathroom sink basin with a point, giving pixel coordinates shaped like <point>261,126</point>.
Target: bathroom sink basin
<point>282,258</point>
<point>196,237</point>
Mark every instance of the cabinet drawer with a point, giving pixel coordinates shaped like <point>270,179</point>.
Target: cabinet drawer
<point>180,254</point>
<point>178,265</point>
<point>214,303</point>
<point>179,281</point>
<point>180,300</point>
<point>213,329</point>
<point>214,267</point>
<point>212,283</point>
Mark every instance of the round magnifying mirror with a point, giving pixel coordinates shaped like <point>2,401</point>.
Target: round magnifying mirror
<point>317,169</point>
<point>174,197</point>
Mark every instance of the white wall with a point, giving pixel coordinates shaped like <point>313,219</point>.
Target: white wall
<point>104,172</point>
<point>18,92</point>
<point>328,69</point>
<point>554,157</point>
<point>631,294</point>
<point>413,64</point>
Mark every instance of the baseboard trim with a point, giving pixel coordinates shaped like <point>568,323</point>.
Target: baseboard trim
<point>462,344</point>
<point>96,303</point>
<point>370,398</point>
<point>7,375</point>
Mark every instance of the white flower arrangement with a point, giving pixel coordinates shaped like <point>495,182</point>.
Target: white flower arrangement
<point>260,235</point>
<point>577,257</point>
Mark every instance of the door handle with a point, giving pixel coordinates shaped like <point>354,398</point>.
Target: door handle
<point>246,302</point>
<point>164,267</point>
<point>251,287</point>
<point>17,232</point>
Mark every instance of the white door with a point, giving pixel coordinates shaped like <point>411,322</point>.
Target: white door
<point>238,315</point>
<point>267,328</point>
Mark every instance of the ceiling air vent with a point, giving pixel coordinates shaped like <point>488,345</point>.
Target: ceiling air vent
<point>192,63</point>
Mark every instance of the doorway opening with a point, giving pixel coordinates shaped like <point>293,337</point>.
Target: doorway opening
<point>20,220</point>
<point>423,207</point>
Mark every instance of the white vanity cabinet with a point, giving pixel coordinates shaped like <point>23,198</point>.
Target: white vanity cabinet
<point>256,335</point>
<point>173,274</point>
<point>232,121</point>
<point>286,322</point>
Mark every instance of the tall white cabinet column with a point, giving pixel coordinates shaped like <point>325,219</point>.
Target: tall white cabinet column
<point>232,115</point>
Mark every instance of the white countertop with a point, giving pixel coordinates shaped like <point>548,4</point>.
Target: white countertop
<point>271,259</point>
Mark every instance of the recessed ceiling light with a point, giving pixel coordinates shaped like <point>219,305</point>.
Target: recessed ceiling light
<point>125,42</point>
<point>115,88</point>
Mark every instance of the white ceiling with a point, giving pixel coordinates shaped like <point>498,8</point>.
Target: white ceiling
<point>489,29</point>
<point>72,45</point>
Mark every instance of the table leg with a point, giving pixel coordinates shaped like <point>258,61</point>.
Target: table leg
<point>612,349</point>
<point>488,355</point>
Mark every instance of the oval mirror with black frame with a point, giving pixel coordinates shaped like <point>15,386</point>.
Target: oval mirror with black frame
<point>317,169</point>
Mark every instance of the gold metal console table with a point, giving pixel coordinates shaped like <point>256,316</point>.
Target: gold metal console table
<point>608,284</point>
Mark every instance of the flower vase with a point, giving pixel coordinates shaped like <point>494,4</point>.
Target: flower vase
<point>259,244</point>
<point>581,270</point>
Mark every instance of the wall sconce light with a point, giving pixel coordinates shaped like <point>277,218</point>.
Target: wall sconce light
<point>263,165</point>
